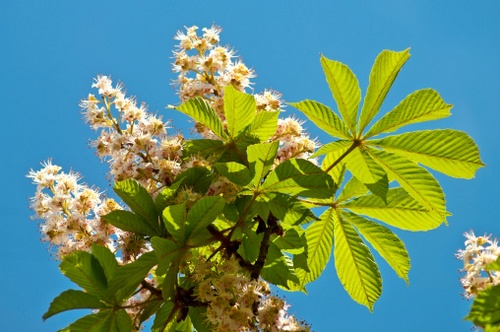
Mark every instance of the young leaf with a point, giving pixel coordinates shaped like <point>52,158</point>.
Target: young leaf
<point>417,181</point>
<point>264,125</point>
<point>383,73</point>
<point>85,270</point>
<point>319,236</point>
<point>138,199</point>
<point>345,90</point>
<point>239,109</point>
<point>419,106</point>
<point>235,172</point>
<point>261,159</point>
<point>448,151</point>
<point>356,267</point>
<point>387,244</point>
<point>73,299</point>
<point>200,110</point>
<point>324,118</point>
<point>129,222</point>
<point>299,177</point>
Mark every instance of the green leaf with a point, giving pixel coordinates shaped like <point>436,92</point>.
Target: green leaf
<point>278,268</point>
<point>103,321</point>
<point>448,151</point>
<point>261,159</point>
<point>129,222</point>
<point>175,218</point>
<point>352,189</point>
<point>198,318</point>
<point>290,210</point>
<point>239,109</point>
<point>356,267</point>
<point>299,177</point>
<point>319,236</point>
<point>323,117</point>
<point>138,199</point>
<point>203,213</point>
<point>419,106</point>
<point>293,241</point>
<point>200,110</point>
<point>197,178</point>
<point>417,181</point>
<point>401,210</point>
<point>345,90</point>
<point>264,125</point>
<point>383,73</point>
<point>493,266</point>
<point>250,243</point>
<point>362,166</point>
<point>73,299</point>
<point>204,147</point>
<point>235,172</point>
<point>85,270</point>
<point>106,259</point>
<point>168,255</point>
<point>337,172</point>
<point>387,244</point>
<point>164,317</point>
<point>485,311</point>
<point>128,277</point>
<point>340,145</point>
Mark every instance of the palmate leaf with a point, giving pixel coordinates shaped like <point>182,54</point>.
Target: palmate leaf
<point>387,244</point>
<point>355,265</point>
<point>235,172</point>
<point>324,118</point>
<point>319,237</point>
<point>383,73</point>
<point>130,222</point>
<point>401,210</point>
<point>239,109</point>
<point>278,268</point>
<point>416,180</point>
<point>419,106</point>
<point>345,90</point>
<point>448,151</point>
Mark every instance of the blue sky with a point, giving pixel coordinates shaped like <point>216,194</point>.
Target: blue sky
<point>51,50</point>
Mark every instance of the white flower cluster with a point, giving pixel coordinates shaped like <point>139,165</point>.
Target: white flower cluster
<point>205,68</point>
<point>237,303</point>
<point>71,211</point>
<point>294,142</point>
<point>135,142</point>
<point>479,252</point>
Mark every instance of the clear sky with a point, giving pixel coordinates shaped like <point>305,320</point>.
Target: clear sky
<point>50,51</point>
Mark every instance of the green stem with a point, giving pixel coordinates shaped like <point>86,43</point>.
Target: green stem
<point>354,145</point>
